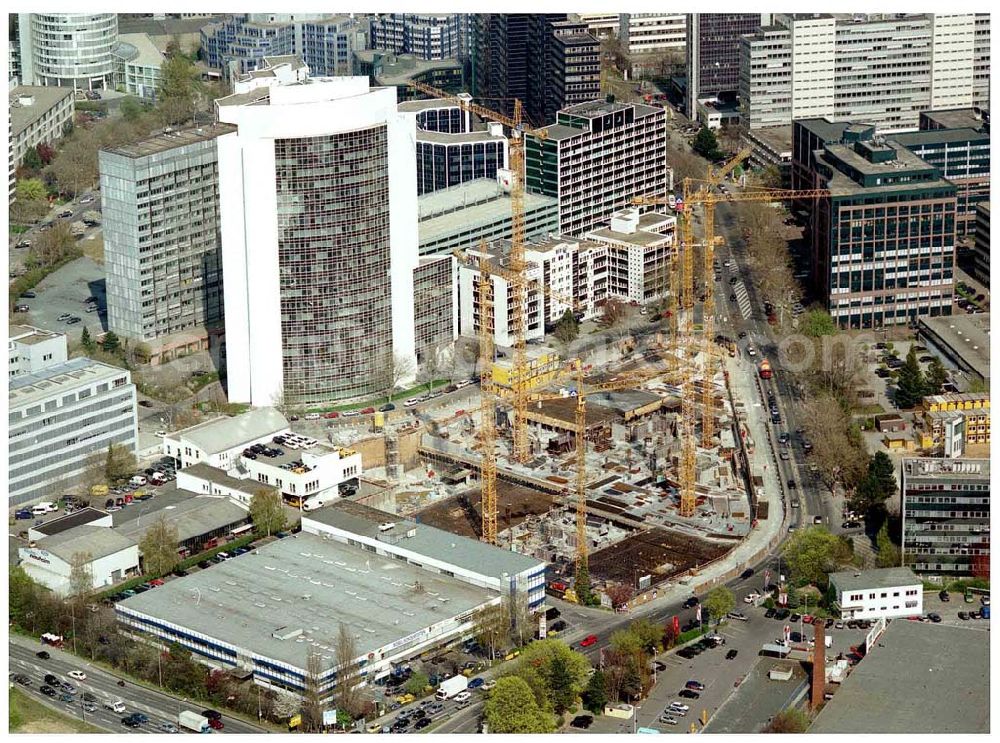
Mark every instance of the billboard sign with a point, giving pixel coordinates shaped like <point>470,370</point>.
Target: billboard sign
<point>329,717</point>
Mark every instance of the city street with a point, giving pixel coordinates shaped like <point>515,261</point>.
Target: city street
<point>159,706</point>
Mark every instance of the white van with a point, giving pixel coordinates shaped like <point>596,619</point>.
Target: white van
<point>314,503</point>
<point>43,508</point>
<point>138,481</point>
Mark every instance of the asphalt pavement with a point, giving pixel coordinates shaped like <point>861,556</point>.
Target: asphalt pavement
<point>159,706</point>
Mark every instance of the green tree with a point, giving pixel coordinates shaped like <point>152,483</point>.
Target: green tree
<point>817,323</point>
<point>719,602</point>
<point>512,708</point>
<point>86,341</point>
<point>811,555</point>
<point>649,633</point>
<point>596,694</point>
<point>111,342</point>
<point>159,548</point>
<point>936,377</point>
<point>581,586</point>
<point>554,671</point>
<point>416,683</point>
<point>788,721</point>
<point>267,512</point>
<point>32,160</point>
<point>888,553</point>
<point>706,144</point>
<point>562,685</point>
<point>31,189</point>
<point>179,88</point>
<point>131,109</point>
<point>567,329</point>
<point>119,464</point>
<point>627,642</point>
<point>910,385</point>
<point>876,487</point>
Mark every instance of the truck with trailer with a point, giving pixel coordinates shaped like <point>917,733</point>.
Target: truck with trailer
<point>451,687</point>
<point>193,721</point>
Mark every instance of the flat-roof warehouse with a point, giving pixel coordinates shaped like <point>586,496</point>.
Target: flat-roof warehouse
<point>265,610</point>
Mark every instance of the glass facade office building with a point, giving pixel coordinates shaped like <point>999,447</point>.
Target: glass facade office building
<point>333,256</point>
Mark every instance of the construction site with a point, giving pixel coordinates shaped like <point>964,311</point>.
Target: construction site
<point>631,470</point>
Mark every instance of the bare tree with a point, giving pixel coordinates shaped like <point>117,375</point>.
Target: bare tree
<point>617,315</point>
<point>522,620</point>
<point>433,365</point>
<point>492,628</point>
<point>81,575</point>
<point>312,697</point>
<point>346,691</point>
<point>395,369</point>
<point>159,547</point>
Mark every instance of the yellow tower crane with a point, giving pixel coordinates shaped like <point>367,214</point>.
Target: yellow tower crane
<point>518,131</point>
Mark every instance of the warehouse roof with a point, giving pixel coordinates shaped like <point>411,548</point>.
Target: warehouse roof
<point>938,136</point>
<point>27,389</point>
<point>428,541</point>
<point>192,517</point>
<point>919,678</point>
<point>222,434</point>
<point>308,583</point>
<point>966,337</point>
<point>70,521</point>
<point>96,541</point>
<point>219,477</point>
<point>954,118</point>
<point>45,99</point>
<point>859,580</point>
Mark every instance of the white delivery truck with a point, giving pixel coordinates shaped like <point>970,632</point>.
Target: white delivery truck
<point>451,687</point>
<point>193,721</point>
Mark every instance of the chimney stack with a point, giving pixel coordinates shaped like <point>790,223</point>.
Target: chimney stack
<point>819,663</point>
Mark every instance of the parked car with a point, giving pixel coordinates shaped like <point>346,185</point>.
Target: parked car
<point>582,722</point>
<point>587,641</point>
<point>731,654</point>
<point>688,694</point>
<point>696,685</point>
<point>691,602</point>
<point>944,596</point>
<point>387,407</point>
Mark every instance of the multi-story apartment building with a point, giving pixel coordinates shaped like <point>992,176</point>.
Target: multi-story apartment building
<point>599,24</point>
<point>981,247</point>
<point>59,418</point>
<point>137,65</point>
<point>884,240</point>
<point>712,54</point>
<point>31,350</point>
<point>946,516</point>
<point>72,50</point>
<point>427,36</point>
<point>324,42</point>
<point>883,69</point>
<point>162,244</point>
<point>562,274</point>
<point>479,211</point>
<point>319,208</point>
<point>641,248</point>
<point>37,115</point>
<point>596,158</point>
<point>981,62</point>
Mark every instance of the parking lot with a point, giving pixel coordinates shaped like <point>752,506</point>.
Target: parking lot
<point>719,674</point>
<point>949,610</point>
<point>64,292</point>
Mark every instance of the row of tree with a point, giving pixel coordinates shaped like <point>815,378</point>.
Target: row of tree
<point>912,384</point>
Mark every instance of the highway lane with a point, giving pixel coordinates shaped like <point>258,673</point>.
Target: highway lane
<point>160,706</point>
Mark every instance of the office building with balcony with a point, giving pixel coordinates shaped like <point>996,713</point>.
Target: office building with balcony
<point>59,418</point>
<point>641,249</point>
<point>137,66</point>
<point>162,240</point>
<point>946,517</point>
<point>319,240</point>
<point>596,158</point>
